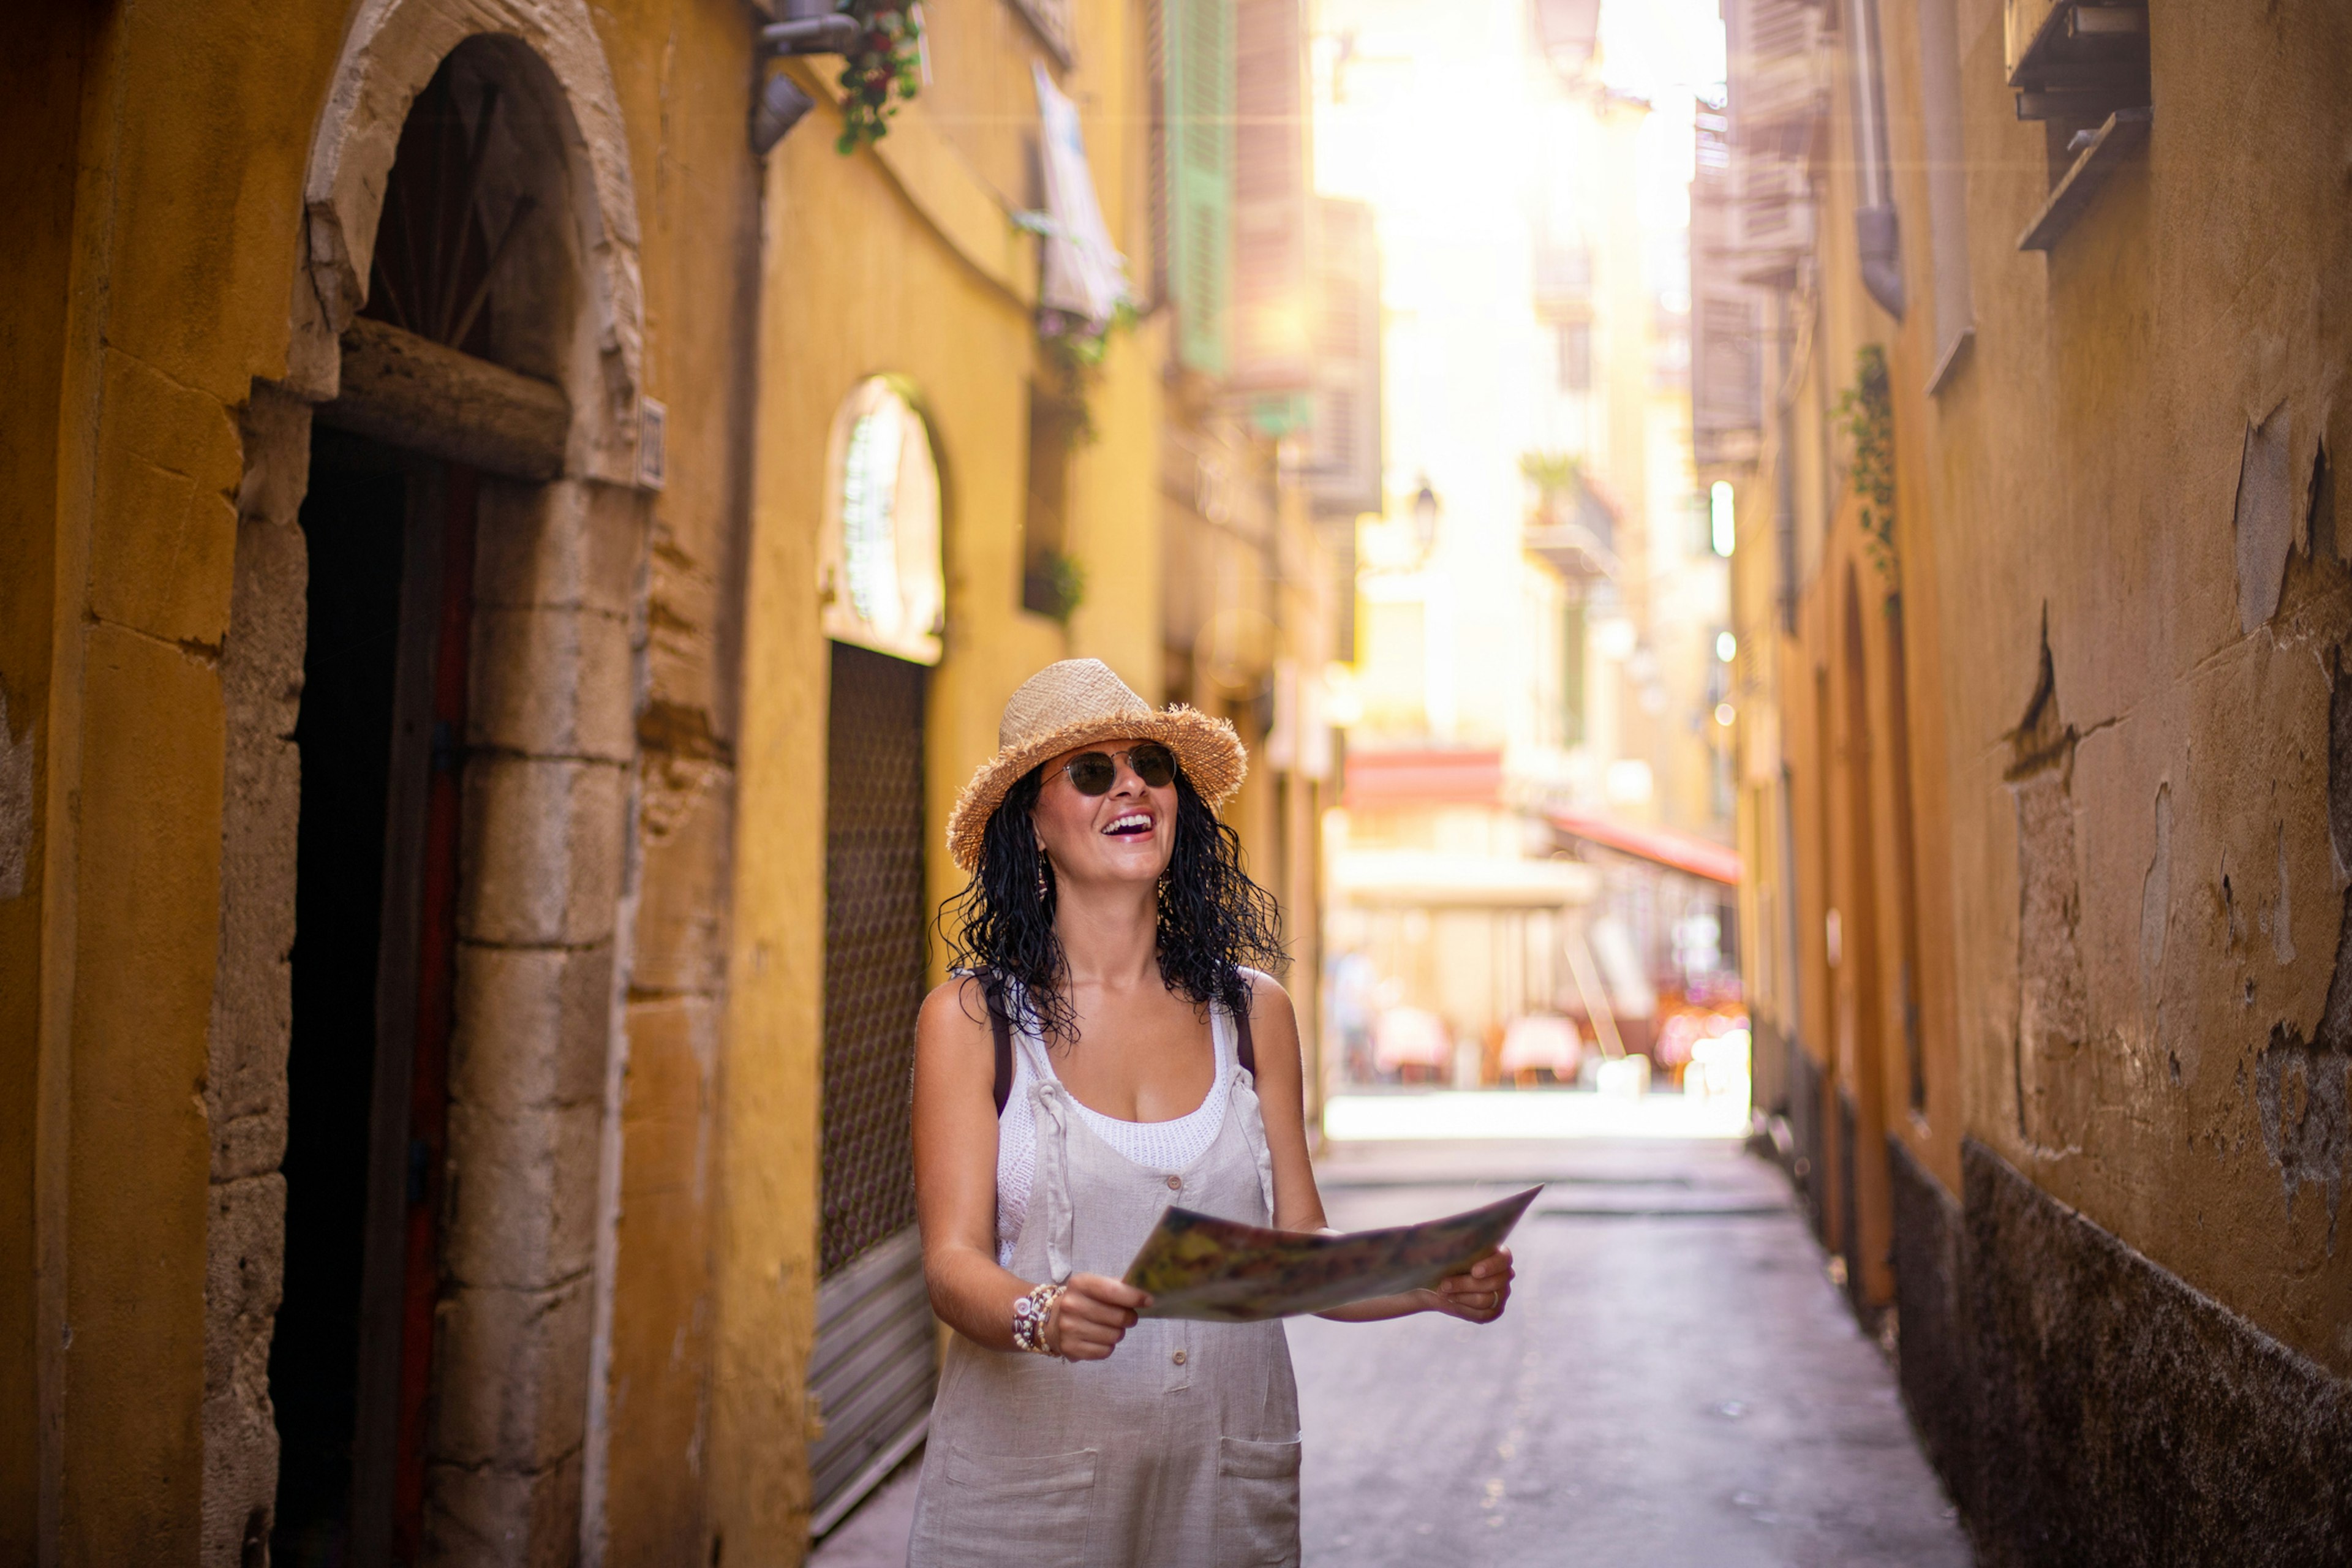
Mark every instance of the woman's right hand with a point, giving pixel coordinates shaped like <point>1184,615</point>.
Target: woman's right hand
<point>1091,1315</point>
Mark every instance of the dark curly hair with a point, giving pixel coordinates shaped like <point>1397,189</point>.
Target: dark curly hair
<point>1213,920</point>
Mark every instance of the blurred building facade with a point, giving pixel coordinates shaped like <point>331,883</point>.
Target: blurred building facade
<point>1255,591</point>
<point>2009,348</point>
<point>518,541</point>
<point>1535,672</point>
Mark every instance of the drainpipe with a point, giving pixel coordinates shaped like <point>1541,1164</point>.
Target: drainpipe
<point>1875,233</point>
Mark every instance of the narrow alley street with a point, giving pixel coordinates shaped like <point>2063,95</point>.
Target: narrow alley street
<point>1677,1382</point>
<point>603,601</point>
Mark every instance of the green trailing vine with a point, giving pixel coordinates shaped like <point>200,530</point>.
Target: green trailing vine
<point>881,70</point>
<point>1866,412</point>
<point>1074,359</point>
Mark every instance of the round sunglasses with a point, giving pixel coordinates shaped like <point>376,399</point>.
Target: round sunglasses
<point>1093,773</point>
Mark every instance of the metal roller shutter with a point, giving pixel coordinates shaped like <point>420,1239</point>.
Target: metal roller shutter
<point>874,1366</point>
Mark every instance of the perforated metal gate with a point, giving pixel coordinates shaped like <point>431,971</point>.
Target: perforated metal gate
<point>872,1369</point>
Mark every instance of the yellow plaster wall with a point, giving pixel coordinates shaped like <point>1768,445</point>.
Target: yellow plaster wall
<point>2094,444</point>
<point>2081,465</point>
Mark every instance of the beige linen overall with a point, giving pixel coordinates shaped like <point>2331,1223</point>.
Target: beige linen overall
<point>1179,1451</point>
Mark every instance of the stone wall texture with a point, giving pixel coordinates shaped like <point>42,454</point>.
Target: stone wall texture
<point>2127,1417</point>
<point>2090,686</point>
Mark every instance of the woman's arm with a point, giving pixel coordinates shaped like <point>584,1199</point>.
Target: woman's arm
<point>1477,1295</point>
<point>955,1193</point>
<point>1282,1100</point>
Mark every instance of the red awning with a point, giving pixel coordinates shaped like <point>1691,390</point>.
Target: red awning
<point>1404,778</point>
<point>1665,846</point>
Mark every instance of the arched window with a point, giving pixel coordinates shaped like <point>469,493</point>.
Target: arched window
<point>879,574</point>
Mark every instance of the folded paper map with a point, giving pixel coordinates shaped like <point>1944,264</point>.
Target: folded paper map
<point>1196,1267</point>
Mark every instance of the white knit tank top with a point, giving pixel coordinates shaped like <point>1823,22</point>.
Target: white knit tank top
<point>1154,1145</point>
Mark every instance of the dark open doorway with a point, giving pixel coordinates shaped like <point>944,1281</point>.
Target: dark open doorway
<point>390,534</point>
<point>390,539</point>
<point>354,521</point>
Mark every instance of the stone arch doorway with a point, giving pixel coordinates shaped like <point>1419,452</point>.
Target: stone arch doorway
<point>470,522</point>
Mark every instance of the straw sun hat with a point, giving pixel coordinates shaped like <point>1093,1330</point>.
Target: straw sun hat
<point>1071,704</point>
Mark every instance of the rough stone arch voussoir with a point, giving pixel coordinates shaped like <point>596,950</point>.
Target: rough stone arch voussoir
<point>391,52</point>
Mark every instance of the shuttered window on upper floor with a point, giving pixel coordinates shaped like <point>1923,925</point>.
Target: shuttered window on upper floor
<point>1344,424</point>
<point>1778,72</point>
<point>1195,146</point>
<point>1272,325</point>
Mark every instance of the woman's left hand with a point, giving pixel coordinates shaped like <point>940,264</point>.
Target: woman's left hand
<point>1480,1293</point>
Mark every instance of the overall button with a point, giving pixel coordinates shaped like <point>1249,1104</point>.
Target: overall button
<point>1178,1358</point>
<point>1175,1183</point>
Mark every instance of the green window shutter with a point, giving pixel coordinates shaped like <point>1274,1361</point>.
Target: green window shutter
<point>1198,107</point>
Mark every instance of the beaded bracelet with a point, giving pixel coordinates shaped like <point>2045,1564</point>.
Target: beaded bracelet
<point>1029,1320</point>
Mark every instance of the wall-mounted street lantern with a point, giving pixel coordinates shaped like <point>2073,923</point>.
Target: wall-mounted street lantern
<point>1424,518</point>
<point>809,27</point>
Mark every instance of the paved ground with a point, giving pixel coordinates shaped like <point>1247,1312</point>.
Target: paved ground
<point>1675,1384</point>
<point>875,1535</point>
<point>1675,1381</point>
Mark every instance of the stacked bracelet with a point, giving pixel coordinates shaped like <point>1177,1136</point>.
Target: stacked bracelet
<point>1029,1320</point>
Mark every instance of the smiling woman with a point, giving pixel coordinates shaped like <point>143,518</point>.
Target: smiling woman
<point>1107,950</point>
<point>1213,918</point>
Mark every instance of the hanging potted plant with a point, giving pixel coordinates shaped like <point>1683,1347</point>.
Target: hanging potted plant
<point>882,68</point>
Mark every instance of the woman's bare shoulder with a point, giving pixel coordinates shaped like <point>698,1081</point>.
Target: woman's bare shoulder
<point>956,1007</point>
<point>1267,997</point>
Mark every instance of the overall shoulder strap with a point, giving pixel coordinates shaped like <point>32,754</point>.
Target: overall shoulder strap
<point>1001,1028</point>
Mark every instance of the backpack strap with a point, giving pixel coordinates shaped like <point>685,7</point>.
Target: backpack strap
<point>1001,1028</point>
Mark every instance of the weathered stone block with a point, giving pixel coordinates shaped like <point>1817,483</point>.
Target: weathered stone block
<point>685,604</point>
<point>687,816</point>
<point>533,1027</point>
<point>276,431</point>
<point>542,852</point>
<point>525,1214</point>
<point>512,1384</point>
<point>246,1245</point>
<point>498,1518</point>
<point>250,1145</point>
<point>261,682</point>
<point>569,543</point>
<point>553,682</point>
<point>668,1104</point>
<point>2128,1417</point>
<point>164,534</point>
